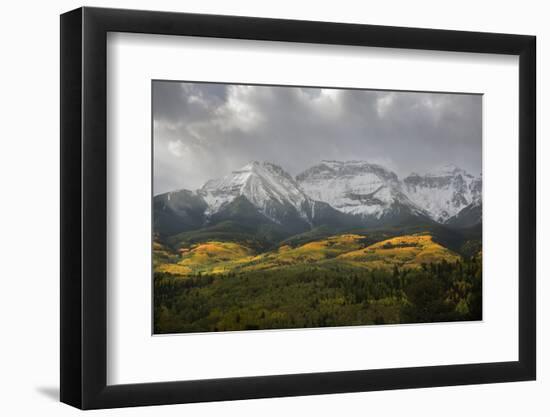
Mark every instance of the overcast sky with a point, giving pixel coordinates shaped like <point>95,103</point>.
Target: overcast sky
<point>203,131</point>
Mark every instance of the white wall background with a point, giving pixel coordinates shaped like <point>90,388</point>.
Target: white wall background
<point>29,177</point>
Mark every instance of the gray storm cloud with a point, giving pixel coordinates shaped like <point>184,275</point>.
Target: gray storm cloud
<point>203,131</point>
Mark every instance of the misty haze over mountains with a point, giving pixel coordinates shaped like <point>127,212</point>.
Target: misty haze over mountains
<point>338,194</point>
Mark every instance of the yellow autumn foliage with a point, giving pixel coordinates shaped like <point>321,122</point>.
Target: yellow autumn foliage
<point>409,251</point>
<point>216,257</point>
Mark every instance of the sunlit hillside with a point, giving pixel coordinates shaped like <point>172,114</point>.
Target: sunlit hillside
<point>347,250</point>
<point>209,257</point>
<point>403,251</point>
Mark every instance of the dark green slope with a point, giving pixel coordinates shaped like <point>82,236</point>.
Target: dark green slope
<point>178,211</point>
<point>469,216</point>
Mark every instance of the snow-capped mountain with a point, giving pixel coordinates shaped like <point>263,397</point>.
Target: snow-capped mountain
<point>332,193</point>
<point>359,188</point>
<point>259,195</point>
<point>267,186</point>
<point>443,192</point>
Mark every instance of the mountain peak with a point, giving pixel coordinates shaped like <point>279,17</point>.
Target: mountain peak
<point>355,187</point>
<point>444,191</point>
<point>349,163</point>
<point>252,166</point>
<point>350,168</point>
<point>263,169</point>
<point>446,170</point>
<point>264,184</point>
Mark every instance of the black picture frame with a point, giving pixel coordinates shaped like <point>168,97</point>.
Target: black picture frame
<point>84,207</point>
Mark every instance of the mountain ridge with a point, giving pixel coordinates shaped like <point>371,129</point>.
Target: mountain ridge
<point>343,193</point>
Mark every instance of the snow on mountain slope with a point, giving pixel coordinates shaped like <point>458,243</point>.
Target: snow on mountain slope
<point>444,191</point>
<point>332,192</point>
<point>357,187</point>
<point>267,186</point>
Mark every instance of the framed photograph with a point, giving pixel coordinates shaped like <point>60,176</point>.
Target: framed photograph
<point>257,208</point>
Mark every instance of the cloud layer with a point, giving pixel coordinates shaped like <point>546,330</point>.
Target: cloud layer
<point>203,131</point>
